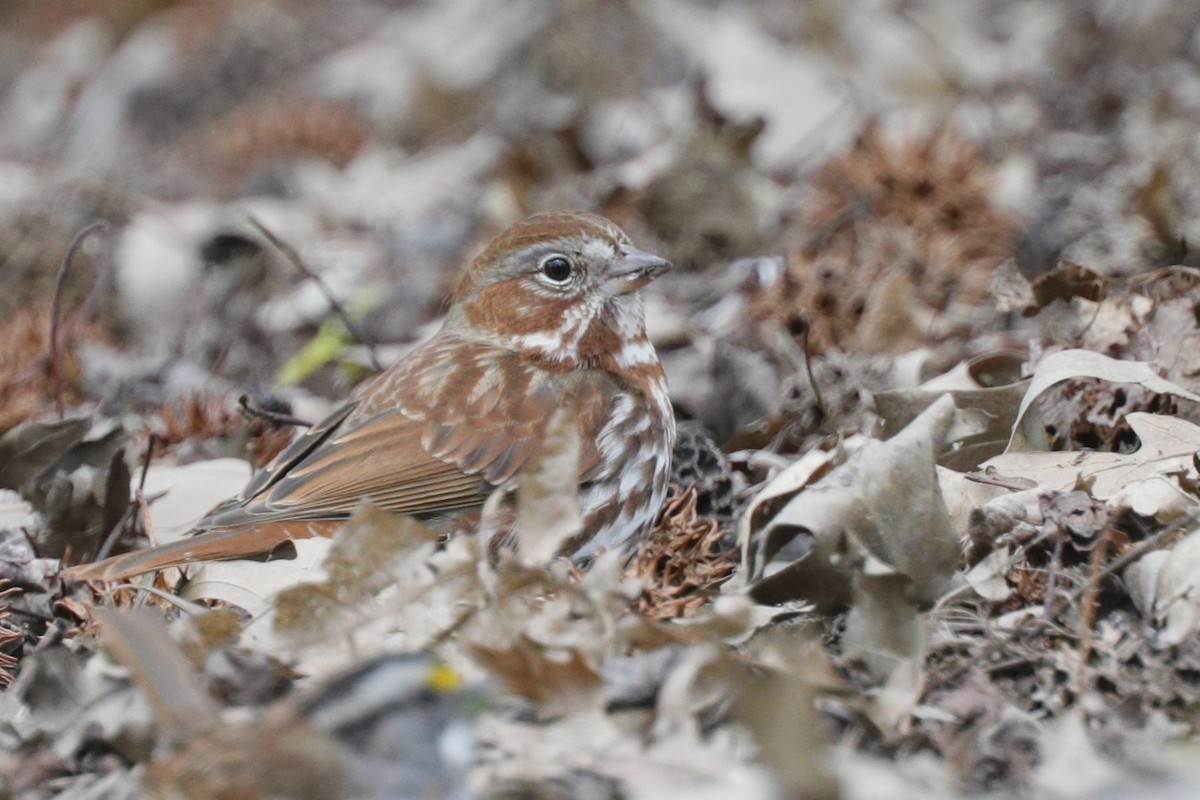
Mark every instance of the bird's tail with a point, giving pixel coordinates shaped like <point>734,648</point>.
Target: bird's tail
<point>217,544</point>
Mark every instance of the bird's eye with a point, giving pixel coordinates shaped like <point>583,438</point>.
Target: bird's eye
<point>557,268</point>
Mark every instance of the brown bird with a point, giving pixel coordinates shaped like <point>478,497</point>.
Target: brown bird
<point>547,315</point>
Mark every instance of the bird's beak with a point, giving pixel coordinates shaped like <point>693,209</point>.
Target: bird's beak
<point>632,269</point>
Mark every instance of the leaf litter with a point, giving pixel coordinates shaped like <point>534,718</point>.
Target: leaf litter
<point>932,339</point>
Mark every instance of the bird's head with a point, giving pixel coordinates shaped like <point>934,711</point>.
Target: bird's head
<point>562,288</point>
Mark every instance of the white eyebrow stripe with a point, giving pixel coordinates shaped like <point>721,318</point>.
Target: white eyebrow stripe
<point>598,250</point>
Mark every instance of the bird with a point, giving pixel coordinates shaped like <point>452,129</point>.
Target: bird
<point>548,316</point>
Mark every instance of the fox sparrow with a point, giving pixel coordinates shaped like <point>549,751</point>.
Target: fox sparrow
<point>547,315</point>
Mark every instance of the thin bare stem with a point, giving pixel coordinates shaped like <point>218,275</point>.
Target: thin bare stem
<point>812,381</point>
<point>60,283</point>
<point>1088,608</point>
<point>135,503</point>
<point>1134,553</point>
<point>296,261</point>
<point>111,539</point>
<point>150,444</point>
<point>270,416</point>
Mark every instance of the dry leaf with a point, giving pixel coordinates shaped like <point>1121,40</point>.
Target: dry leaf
<point>1168,446</point>
<point>184,494</point>
<point>548,497</point>
<point>139,639</point>
<point>254,585</point>
<point>777,703</point>
<point>883,506</point>
<point>990,386</point>
<point>987,577</point>
<point>1027,432</point>
<point>556,682</point>
<point>1177,591</point>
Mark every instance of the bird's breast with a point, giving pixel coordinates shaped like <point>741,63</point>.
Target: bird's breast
<point>620,498</point>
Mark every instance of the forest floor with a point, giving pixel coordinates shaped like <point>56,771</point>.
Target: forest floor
<point>933,342</point>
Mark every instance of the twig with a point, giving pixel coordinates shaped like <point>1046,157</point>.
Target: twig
<point>988,480</point>
<point>812,381</point>
<point>53,636</point>
<point>146,462</point>
<point>292,256</point>
<point>131,510</point>
<point>1131,555</point>
<point>1052,575</point>
<point>60,283</point>
<point>113,535</point>
<point>187,607</point>
<point>1087,608</point>
<point>270,416</point>
<point>29,613</point>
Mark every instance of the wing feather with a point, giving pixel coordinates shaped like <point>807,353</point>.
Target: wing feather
<point>382,460</point>
<point>418,440</point>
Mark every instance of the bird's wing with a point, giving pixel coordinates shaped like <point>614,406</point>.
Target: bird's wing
<point>410,443</point>
<point>312,485</point>
<point>382,460</point>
